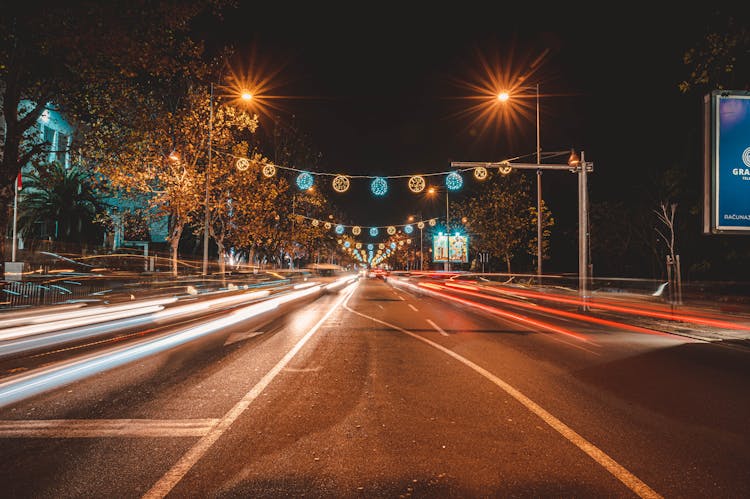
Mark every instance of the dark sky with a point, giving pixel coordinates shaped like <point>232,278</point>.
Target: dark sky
<point>381,91</point>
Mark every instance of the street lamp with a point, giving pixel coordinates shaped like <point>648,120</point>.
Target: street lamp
<point>246,96</point>
<point>504,97</point>
<point>575,164</point>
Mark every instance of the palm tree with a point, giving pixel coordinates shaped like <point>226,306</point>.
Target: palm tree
<point>62,197</point>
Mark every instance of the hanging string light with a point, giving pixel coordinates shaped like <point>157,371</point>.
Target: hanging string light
<point>391,230</point>
<point>454,181</point>
<point>408,229</point>
<point>340,183</point>
<point>379,186</point>
<point>432,222</point>
<point>327,225</point>
<point>304,181</point>
<point>374,231</point>
<point>242,164</point>
<point>420,225</point>
<point>356,230</point>
<point>315,222</point>
<point>269,170</point>
<point>480,173</point>
<point>339,229</point>
<point>417,184</point>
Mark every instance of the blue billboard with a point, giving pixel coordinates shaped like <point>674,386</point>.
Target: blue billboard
<point>727,176</point>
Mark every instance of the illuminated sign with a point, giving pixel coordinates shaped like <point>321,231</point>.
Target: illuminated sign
<point>459,248</point>
<point>726,197</point>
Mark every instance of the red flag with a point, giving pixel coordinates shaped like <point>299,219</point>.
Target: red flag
<point>19,185</point>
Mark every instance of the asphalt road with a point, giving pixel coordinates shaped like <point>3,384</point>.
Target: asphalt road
<point>378,392</point>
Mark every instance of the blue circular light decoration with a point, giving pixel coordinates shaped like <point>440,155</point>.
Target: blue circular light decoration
<point>393,245</point>
<point>370,247</point>
<point>339,229</point>
<point>408,229</point>
<point>347,244</point>
<point>304,181</point>
<point>379,186</point>
<point>373,231</point>
<point>454,181</point>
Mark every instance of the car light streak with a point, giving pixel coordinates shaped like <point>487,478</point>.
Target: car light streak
<point>561,313</point>
<point>79,313</point>
<point>42,380</point>
<point>12,347</point>
<point>438,290</point>
<point>21,331</point>
<point>304,285</point>
<point>343,281</point>
<point>689,318</point>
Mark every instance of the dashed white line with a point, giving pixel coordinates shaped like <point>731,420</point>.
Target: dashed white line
<point>437,328</point>
<point>413,307</point>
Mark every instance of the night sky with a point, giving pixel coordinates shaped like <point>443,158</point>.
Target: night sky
<point>383,92</point>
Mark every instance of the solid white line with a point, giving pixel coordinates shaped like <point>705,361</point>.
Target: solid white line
<point>413,307</point>
<point>167,482</point>
<point>97,428</point>
<point>609,464</point>
<point>437,328</point>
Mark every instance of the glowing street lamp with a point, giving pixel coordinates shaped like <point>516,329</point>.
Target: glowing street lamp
<point>503,97</point>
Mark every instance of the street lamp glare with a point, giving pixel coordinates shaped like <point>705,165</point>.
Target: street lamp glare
<point>503,96</point>
<point>246,95</point>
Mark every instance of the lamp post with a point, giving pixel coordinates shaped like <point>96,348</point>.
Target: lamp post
<point>244,95</point>
<point>447,231</point>
<point>503,97</point>
<point>576,165</point>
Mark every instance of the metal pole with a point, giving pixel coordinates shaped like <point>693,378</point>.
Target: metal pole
<point>448,230</point>
<point>583,233</point>
<point>291,243</point>
<point>15,221</point>
<point>207,219</point>
<point>421,248</point>
<point>538,195</point>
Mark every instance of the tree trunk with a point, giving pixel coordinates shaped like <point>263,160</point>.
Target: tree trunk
<point>222,259</point>
<point>174,242</point>
<point>507,261</point>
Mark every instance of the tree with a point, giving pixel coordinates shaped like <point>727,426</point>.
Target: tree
<point>85,57</point>
<point>64,197</point>
<point>499,219</point>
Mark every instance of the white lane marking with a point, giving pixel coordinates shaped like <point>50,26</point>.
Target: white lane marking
<point>167,482</point>
<point>381,306</point>
<point>413,307</point>
<point>437,328</point>
<point>97,428</point>
<point>399,296</point>
<point>609,464</point>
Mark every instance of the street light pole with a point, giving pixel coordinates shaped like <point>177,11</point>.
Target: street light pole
<point>538,195</point>
<point>580,167</point>
<point>448,231</point>
<point>207,218</point>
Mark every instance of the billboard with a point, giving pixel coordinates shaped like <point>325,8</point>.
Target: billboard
<point>726,177</point>
<point>459,248</point>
